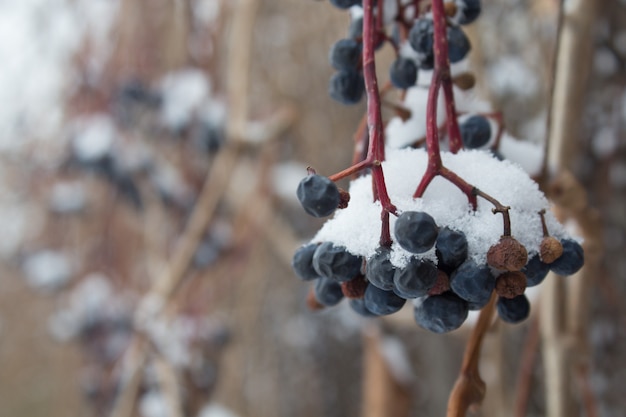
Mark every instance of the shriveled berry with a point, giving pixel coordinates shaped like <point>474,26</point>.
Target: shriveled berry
<point>507,255</point>
<point>302,262</point>
<point>346,87</point>
<point>513,310</point>
<point>571,260</point>
<point>318,195</point>
<point>472,282</point>
<point>381,302</point>
<point>510,284</point>
<point>403,73</point>
<point>451,249</point>
<point>442,284</point>
<point>421,39</point>
<point>355,288</point>
<point>415,279</point>
<point>441,313</point>
<point>328,292</point>
<point>345,54</point>
<point>550,249</point>
<point>475,132</point>
<point>416,231</point>
<point>535,271</point>
<point>336,263</point>
<point>379,270</point>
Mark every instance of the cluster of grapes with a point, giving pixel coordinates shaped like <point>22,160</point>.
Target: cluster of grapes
<point>432,264</point>
<point>416,52</point>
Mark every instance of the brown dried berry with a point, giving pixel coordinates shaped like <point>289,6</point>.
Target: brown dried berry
<point>464,81</point>
<point>550,250</point>
<point>507,255</point>
<point>311,301</point>
<point>450,8</point>
<point>355,288</point>
<point>441,285</point>
<point>344,199</point>
<point>511,284</point>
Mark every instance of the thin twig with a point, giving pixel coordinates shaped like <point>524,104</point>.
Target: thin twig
<point>469,389</point>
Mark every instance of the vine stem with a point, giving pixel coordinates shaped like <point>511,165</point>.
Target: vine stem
<point>441,80</point>
<point>376,149</point>
<point>469,388</point>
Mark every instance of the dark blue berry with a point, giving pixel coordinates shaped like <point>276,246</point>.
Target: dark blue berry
<point>415,279</point>
<point>475,132</point>
<point>513,310</point>
<point>535,271</point>
<point>571,260</point>
<point>473,283</point>
<point>468,10</point>
<point>318,195</point>
<point>345,54</point>
<point>302,262</point>
<point>345,4</point>
<point>416,231</point>
<point>381,302</point>
<point>346,87</point>
<point>441,313</point>
<point>208,137</point>
<point>421,36</point>
<point>358,305</point>
<point>328,292</point>
<point>451,249</point>
<point>379,270</point>
<point>458,44</point>
<point>403,73</point>
<point>336,262</point>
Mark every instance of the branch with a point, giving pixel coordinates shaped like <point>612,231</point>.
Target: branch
<point>469,389</point>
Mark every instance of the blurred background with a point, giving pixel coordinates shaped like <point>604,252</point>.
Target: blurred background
<point>149,155</point>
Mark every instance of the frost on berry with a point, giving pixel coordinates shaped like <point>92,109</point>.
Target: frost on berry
<point>511,284</point>
<point>507,255</point>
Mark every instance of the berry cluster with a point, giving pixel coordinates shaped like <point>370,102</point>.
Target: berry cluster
<point>445,254</point>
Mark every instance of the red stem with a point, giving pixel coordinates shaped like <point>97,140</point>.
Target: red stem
<point>441,78</point>
<point>376,151</point>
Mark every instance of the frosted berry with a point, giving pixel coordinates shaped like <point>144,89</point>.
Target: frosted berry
<point>511,284</point>
<point>421,39</point>
<point>550,249</point>
<point>451,249</point>
<point>345,54</point>
<point>472,282</point>
<point>328,292</point>
<point>403,73</point>
<point>415,279</point>
<point>468,11</point>
<point>302,262</point>
<point>379,270</point>
<point>475,132</point>
<point>358,306</point>
<point>345,4</point>
<point>336,262</point>
<point>535,271</point>
<point>381,302</point>
<point>513,310</point>
<point>318,195</point>
<point>441,313</point>
<point>571,260</point>
<point>416,231</point>
<point>507,255</point>
<point>458,44</point>
<point>346,87</point>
